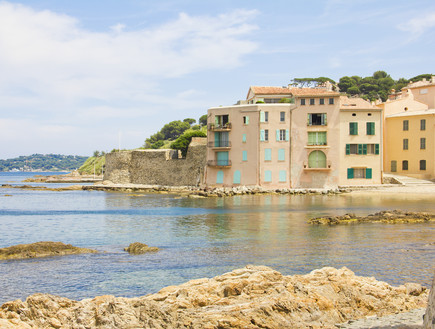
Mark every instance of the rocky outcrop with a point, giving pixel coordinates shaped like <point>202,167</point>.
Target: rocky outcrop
<point>43,188</point>
<point>252,297</point>
<point>137,248</point>
<point>393,216</point>
<point>429,316</point>
<point>41,249</point>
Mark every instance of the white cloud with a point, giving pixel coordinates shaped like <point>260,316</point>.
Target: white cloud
<point>419,25</point>
<point>54,70</point>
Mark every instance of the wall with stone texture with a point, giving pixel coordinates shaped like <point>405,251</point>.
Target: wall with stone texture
<point>158,167</point>
<point>429,317</point>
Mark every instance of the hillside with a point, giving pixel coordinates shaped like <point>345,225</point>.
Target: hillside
<point>43,162</point>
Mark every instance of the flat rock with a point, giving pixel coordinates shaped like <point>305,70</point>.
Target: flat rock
<point>41,249</point>
<point>251,297</point>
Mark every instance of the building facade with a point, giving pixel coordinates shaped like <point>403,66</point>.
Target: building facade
<point>298,143</point>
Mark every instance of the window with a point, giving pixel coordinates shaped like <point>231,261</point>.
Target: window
<point>405,143</point>
<point>331,101</point>
<point>405,125</point>
<point>322,101</point>
<point>393,166</point>
<point>362,149</point>
<point>405,165</point>
<point>372,148</point>
<point>353,128</point>
<point>423,91</point>
<point>359,173</point>
<point>312,101</point>
<point>244,155</point>
<point>281,155</point>
<point>244,138</point>
<point>222,158</point>
<point>302,101</point>
<point>370,128</point>
<point>268,176</point>
<point>266,134</point>
<point>317,159</point>
<point>221,121</point>
<point>236,177</point>
<point>246,120</point>
<point>422,164</point>
<point>282,116</point>
<point>221,139</point>
<point>282,176</point>
<point>282,135</point>
<point>220,177</point>
<point>317,138</point>
<point>422,143</point>
<point>351,149</point>
<point>422,124</point>
<point>317,119</point>
<point>267,154</point>
<point>266,116</point>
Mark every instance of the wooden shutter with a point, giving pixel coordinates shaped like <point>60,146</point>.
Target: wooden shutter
<point>349,173</point>
<point>368,173</point>
<point>347,149</point>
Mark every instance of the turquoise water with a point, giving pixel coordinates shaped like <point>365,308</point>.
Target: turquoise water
<point>199,238</point>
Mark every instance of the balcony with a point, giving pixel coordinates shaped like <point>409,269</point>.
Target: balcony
<point>328,167</point>
<point>219,145</point>
<point>219,127</point>
<point>219,163</point>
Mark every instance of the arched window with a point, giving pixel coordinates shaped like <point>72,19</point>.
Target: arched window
<point>317,159</point>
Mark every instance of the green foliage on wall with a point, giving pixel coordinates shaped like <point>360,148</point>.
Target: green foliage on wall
<point>182,142</point>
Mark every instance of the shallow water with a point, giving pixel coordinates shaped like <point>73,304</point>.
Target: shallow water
<point>200,238</point>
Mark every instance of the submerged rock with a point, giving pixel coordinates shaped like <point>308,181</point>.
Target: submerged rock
<point>137,248</point>
<point>251,297</point>
<point>389,216</point>
<point>41,249</point>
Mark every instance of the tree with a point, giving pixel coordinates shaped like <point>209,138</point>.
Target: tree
<point>182,142</point>
<point>96,154</point>
<point>421,77</point>
<point>174,129</point>
<point>345,83</point>
<point>190,121</point>
<point>354,90</point>
<point>380,74</point>
<point>203,120</point>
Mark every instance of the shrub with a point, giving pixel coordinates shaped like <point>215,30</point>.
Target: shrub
<point>182,142</point>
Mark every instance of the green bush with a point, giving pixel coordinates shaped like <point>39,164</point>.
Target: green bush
<point>182,142</point>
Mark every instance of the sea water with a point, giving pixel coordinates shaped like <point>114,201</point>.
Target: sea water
<point>200,238</point>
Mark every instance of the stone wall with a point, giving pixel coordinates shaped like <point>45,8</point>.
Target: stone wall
<point>429,317</point>
<point>158,167</point>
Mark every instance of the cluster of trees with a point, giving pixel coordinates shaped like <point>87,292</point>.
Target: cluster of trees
<point>43,162</point>
<point>377,86</point>
<point>172,130</point>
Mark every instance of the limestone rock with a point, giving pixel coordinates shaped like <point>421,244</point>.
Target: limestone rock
<point>251,297</point>
<point>41,249</point>
<point>429,316</point>
<point>137,248</point>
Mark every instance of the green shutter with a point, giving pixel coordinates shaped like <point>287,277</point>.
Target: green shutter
<point>370,128</point>
<point>287,135</point>
<point>347,149</point>
<point>262,116</point>
<point>247,120</point>
<point>368,173</point>
<point>353,128</point>
<point>364,148</point>
<point>360,149</point>
<point>216,139</point>
<point>262,135</point>
<point>277,134</point>
<point>236,177</point>
<point>349,173</point>
<point>309,119</point>
<point>220,177</point>
<point>376,148</point>
<point>325,123</point>
<point>216,121</point>
<point>244,155</point>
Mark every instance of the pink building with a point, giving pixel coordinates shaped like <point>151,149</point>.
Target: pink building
<point>280,137</point>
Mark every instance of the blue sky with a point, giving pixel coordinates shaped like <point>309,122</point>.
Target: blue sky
<point>78,76</point>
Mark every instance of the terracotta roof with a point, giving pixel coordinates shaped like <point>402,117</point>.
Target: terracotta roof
<point>257,90</point>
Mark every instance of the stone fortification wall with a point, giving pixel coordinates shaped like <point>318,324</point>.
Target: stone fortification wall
<point>158,167</point>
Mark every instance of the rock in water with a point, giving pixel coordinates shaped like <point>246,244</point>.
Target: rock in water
<point>41,249</point>
<point>137,248</point>
<point>251,297</point>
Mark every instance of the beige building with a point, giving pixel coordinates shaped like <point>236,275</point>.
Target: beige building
<point>409,143</point>
<point>302,144</point>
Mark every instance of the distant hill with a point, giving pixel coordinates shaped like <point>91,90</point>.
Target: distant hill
<point>43,162</point>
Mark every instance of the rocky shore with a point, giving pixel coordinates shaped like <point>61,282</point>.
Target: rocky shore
<point>43,188</point>
<point>251,297</point>
<point>73,177</point>
<point>387,216</point>
<point>41,249</point>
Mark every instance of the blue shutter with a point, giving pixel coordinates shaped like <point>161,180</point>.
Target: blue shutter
<point>267,176</point>
<point>281,155</point>
<point>220,177</point>
<point>247,120</point>
<point>262,116</point>
<point>262,135</point>
<point>216,139</point>
<point>277,135</point>
<point>244,138</point>
<point>245,156</point>
<point>282,176</point>
<point>236,177</point>
<point>268,154</point>
<point>287,135</point>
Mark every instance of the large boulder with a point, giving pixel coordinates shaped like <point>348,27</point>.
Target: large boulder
<point>429,317</point>
<point>251,297</point>
<point>137,248</point>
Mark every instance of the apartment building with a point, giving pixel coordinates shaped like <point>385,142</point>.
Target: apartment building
<point>409,122</point>
<point>297,143</point>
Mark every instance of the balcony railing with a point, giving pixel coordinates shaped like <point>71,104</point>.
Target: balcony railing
<point>219,127</point>
<point>219,163</point>
<point>328,166</point>
<point>219,144</point>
